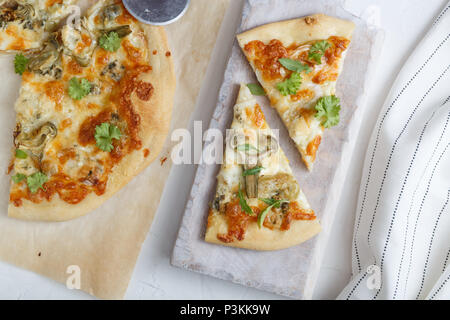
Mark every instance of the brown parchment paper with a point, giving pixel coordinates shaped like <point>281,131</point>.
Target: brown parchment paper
<point>291,272</point>
<point>105,243</point>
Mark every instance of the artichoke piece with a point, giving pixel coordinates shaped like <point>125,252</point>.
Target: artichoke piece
<point>122,31</point>
<point>17,11</point>
<point>6,16</point>
<point>36,140</point>
<point>25,12</point>
<point>251,182</point>
<point>110,13</point>
<point>281,186</point>
<point>48,60</point>
<point>71,37</point>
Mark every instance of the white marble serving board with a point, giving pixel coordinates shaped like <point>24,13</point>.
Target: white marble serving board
<point>291,272</point>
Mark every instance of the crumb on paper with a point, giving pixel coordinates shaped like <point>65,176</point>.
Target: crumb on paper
<point>163,160</point>
<point>155,52</point>
<point>146,153</point>
<point>168,54</point>
<point>39,254</point>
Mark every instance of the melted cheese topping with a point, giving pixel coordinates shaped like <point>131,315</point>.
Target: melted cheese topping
<point>275,177</point>
<point>72,161</point>
<point>297,110</point>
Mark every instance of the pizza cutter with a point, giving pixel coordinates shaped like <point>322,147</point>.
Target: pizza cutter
<point>157,12</point>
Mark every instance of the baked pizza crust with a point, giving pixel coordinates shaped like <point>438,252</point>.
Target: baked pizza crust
<point>264,239</point>
<point>155,123</point>
<point>313,27</point>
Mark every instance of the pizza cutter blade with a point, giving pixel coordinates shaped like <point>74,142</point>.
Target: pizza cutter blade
<point>157,12</point>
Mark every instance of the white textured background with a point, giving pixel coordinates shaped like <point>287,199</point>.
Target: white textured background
<point>405,22</point>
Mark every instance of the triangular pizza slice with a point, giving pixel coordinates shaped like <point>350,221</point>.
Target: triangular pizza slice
<point>258,203</point>
<point>298,63</point>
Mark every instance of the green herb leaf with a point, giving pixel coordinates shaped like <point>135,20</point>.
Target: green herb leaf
<point>252,171</point>
<point>317,50</point>
<point>246,147</point>
<point>244,206</point>
<point>78,89</point>
<point>328,109</point>
<point>20,154</point>
<point>268,201</point>
<point>262,215</point>
<point>36,181</point>
<point>20,63</point>
<point>256,89</point>
<point>291,85</point>
<point>272,204</point>
<point>294,65</point>
<point>110,42</point>
<point>104,134</point>
<point>18,177</point>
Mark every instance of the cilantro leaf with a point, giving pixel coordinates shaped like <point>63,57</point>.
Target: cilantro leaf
<point>20,154</point>
<point>110,42</point>
<point>20,63</point>
<point>19,177</point>
<point>104,134</point>
<point>244,205</point>
<point>36,181</point>
<point>317,50</point>
<point>328,109</point>
<point>78,89</point>
<point>294,65</point>
<point>256,89</point>
<point>291,85</point>
<point>269,201</point>
<point>272,203</point>
<point>252,171</point>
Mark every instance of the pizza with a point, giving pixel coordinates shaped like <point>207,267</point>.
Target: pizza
<point>24,24</point>
<point>298,62</point>
<point>258,203</point>
<point>93,110</point>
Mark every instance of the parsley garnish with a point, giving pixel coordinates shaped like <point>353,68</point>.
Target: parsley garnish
<point>104,134</point>
<point>78,89</point>
<point>317,50</point>
<point>328,111</point>
<point>291,85</point>
<point>110,41</point>
<point>20,154</point>
<point>272,204</point>
<point>36,181</point>
<point>244,206</point>
<point>256,89</point>
<point>252,171</point>
<point>18,177</point>
<point>20,63</point>
<point>294,65</point>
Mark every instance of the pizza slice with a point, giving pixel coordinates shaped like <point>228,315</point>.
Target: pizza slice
<point>25,24</point>
<point>298,63</point>
<point>94,110</point>
<point>258,203</point>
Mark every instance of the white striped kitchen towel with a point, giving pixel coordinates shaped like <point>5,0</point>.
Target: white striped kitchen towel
<point>401,243</point>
